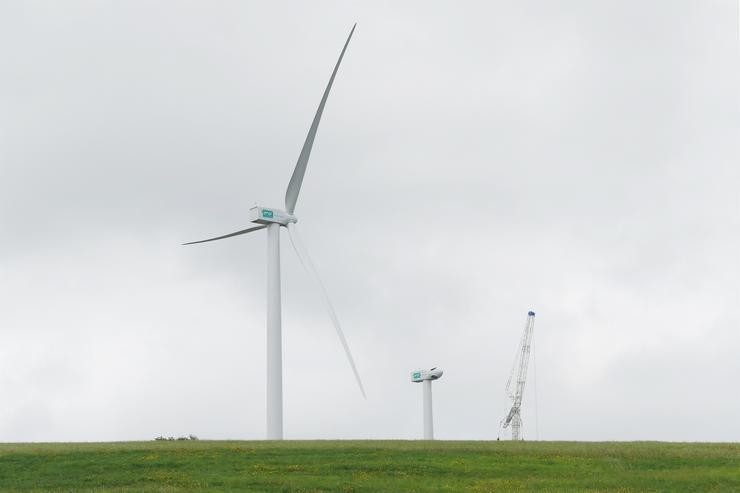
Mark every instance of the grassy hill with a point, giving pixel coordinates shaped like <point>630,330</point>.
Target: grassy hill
<point>370,466</point>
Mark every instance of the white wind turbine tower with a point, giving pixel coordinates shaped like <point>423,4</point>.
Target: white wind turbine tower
<point>272,219</point>
<point>515,387</point>
<point>426,377</point>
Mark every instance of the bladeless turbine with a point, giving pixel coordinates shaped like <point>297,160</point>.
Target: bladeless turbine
<point>426,377</point>
<point>272,219</point>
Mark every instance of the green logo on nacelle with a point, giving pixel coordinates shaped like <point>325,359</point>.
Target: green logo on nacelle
<point>266,213</point>
<point>417,375</point>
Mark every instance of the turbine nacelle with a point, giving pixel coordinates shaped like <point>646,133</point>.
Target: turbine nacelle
<point>269,215</point>
<point>421,375</point>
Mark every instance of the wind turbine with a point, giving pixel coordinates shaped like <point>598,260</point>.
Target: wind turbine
<point>426,377</point>
<point>273,219</point>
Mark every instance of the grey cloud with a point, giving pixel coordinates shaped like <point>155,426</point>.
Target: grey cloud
<point>575,158</point>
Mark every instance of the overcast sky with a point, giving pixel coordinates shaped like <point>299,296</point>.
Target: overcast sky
<point>475,161</point>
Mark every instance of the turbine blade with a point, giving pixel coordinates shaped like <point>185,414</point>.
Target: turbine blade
<point>307,264</point>
<point>294,187</point>
<point>242,232</point>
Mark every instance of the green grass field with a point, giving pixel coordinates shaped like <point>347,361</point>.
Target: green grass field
<point>370,466</point>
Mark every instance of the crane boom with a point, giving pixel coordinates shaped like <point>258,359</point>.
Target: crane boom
<point>517,380</point>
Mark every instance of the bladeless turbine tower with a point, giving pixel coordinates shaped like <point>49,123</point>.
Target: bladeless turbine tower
<point>425,377</point>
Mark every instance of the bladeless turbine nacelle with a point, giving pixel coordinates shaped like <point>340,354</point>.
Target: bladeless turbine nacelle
<point>425,377</point>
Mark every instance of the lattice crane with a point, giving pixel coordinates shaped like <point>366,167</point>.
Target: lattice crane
<point>517,379</point>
